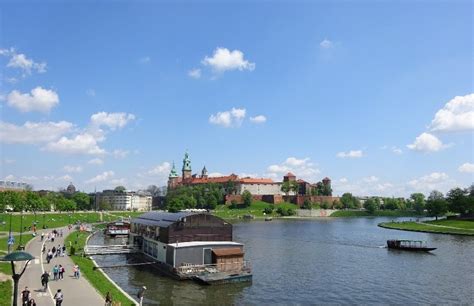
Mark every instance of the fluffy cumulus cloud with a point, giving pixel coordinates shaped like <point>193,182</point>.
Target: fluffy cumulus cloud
<point>104,176</point>
<point>426,143</point>
<point>120,154</point>
<point>366,186</point>
<point>302,168</point>
<point>160,170</point>
<point>258,119</point>
<point>231,118</point>
<point>95,161</point>
<point>111,120</point>
<point>72,169</point>
<point>33,132</point>
<point>194,73</point>
<point>326,44</point>
<point>434,181</point>
<point>79,144</point>
<point>40,99</point>
<point>466,168</point>
<point>350,154</point>
<point>22,62</point>
<point>225,60</point>
<point>456,115</point>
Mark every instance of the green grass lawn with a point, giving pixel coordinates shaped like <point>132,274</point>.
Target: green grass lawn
<point>127,214</point>
<point>377,213</point>
<point>255,209</point>
<point>4,242</point>
<point>95,277</point>
<point>461,228</point>
<point>6,293</point>
<point>51,220</point>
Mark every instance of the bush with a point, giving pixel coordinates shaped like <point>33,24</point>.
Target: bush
<point>306,204</point>
<point>325,205</point>
<point>233,204</point>
<point>285,211</point>
<point>247,198</point>
<point>268,210</point>
<point>291,212</point>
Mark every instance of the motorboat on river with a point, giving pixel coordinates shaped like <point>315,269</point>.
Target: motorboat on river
<point>409,245</point>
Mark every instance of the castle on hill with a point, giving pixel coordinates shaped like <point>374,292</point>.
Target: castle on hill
<point>264,189</point>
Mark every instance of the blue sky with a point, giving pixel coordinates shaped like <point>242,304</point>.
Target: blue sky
<point>376,95</point>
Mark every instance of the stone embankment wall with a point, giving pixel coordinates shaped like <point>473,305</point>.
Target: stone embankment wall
<point>313,213</point>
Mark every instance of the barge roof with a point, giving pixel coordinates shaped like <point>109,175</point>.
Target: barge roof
<point>202,243</point>
<point>162,218</point>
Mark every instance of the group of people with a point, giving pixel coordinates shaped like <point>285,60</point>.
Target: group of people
<point>26,299</point>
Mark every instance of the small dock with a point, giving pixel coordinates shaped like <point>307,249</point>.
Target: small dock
<point>109,249</point>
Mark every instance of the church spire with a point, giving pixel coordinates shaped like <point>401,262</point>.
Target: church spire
<point>173,172</point>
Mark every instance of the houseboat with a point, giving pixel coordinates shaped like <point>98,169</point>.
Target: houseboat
<point>409,245</point>
<point>190,245</point>
<point>118,228</point>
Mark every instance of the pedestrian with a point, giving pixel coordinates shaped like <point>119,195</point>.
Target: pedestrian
<point>44,249</point>
<point>32,303</point>
<point>45,280</point>
<point>25,296</point>
<point>140,294</point>
<point>53,250</point>
<point>58,251</point>
<point>49,256</point>
<point>61,272</point>
<point>59,297</point>
<point>61,233</point>
<point>55,272</point>
<point>77,272</point>
<point>42,236</point>
<point>108,299</point>
<point>64,251</point>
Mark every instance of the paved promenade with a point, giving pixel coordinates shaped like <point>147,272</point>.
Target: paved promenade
<point>76,291</point>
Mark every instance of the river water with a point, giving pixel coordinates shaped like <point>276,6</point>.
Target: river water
<point>323,261</point>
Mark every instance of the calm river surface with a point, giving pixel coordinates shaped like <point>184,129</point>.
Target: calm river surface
<point>327,261</point>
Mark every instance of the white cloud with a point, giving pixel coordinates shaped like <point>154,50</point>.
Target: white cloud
<point>195,73</point>
<point>40,99</point>
<point>144,60</point>
<point>427,143</point>
<point>434,181</point>
<point>118,182</point>
<point>104,176</point>
<point>232,118</point>
<point>9,161</point>
<point>20,61</point>
<point>258,119</point>
<point>72,169</point>
<point>95,161</point>
<point>466,168</point>
<point>10,177</point>
<point>456,115</point>
<point>302,168</point>
<point>80,144</point>
<point>162,169</point>
<point>326,44</point>
<point>371,179</point>
<point>120,154</point>
<point>33,132</point>
<point>90,92</point>
<point>343,180</point>
<point>215,174</point>
<point>66,178</point>
<point>111,120</point>
<point>350,154</point>
<point>225,60</point>
<point>397,150</point>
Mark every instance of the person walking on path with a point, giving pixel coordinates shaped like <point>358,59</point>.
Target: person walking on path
<point>45,280</point>
<point>49,256</point>
<point>63,250</point>
<point>61,272</point>
<point>32,302</point>
<point>53,251</point>
<point>55,272</point>
<point>108,299</point>
<point>42,236</point>
<point>59,297</point>
<point>25,296</point>
<point>77,271</point>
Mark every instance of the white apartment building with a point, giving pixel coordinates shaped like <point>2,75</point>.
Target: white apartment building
<point>127,200</point>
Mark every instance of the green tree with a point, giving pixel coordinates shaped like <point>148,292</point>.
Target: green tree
<point>458,201</point>
<point>306,204</point>
<point>436,207</point>
<point>82,200</point>
<point>247,198</point>
<point>370,206</point>
<point>286,187</point>
<point>348,201</point>
<point>418,202</point>
<point>390,204</point>
<point>120,189</point>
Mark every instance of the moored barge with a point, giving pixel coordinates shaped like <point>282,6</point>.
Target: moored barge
<point>118,228</point>
<point>409,245</point>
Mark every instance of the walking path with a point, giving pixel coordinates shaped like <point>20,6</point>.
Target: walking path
<point>446,226</point>
<point>76,291</point>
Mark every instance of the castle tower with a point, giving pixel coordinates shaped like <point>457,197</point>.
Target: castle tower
<point>187,172</point>
<point>204,173</point>
<point>172,178</point>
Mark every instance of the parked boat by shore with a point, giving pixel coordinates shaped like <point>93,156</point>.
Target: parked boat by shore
<point>118,228</point>
<point>409,245</point>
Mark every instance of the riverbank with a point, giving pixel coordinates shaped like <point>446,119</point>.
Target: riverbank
<point>453,227</point>
<point>256,209</point>
<point>95,277</point>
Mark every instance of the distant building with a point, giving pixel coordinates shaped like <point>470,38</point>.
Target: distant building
<point>15,186</point>
<point>127,200</point>
<point>71,189</point>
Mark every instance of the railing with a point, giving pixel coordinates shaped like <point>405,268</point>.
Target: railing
<point>239,266</point>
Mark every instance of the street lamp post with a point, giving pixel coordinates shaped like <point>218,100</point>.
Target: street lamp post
<point>10,235</point>
<point>13,257</point>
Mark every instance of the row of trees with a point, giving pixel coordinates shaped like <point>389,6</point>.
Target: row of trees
<point>206,196</point>
<point>32,201</point>
<point>457,200</point>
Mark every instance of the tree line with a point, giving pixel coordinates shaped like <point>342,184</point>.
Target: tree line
<point>32,201</point>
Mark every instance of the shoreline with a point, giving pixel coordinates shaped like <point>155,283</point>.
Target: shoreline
<point>424,228</point>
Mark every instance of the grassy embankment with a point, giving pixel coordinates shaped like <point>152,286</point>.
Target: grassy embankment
<point>458,227</point>
<point>51,220</point>
<point>6,293</point>
<point>377,213</point>
<point>95,277</point>
<point>255,209</point>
